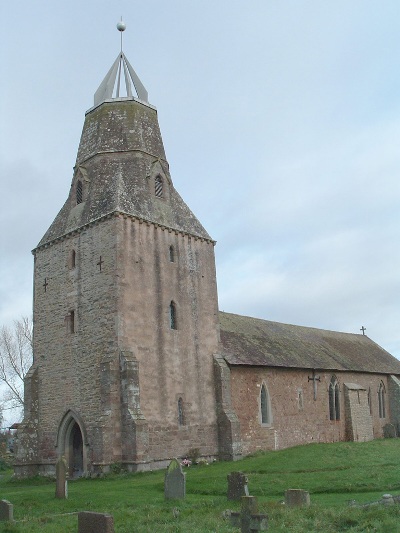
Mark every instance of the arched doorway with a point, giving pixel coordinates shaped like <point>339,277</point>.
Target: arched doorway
<point>75,452</point>
<point>71,443</point>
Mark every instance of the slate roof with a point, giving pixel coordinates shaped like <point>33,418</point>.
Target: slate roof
<point>254,342</point>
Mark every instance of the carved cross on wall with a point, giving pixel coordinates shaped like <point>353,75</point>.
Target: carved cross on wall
<point>314,379</point>
<point>100,263</point>
<point>363,330</point>
<point>45,284</point>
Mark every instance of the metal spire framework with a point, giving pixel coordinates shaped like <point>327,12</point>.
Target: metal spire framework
<point>112,82</point>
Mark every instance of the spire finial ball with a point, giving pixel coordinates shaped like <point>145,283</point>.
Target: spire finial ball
<point>121,26</point>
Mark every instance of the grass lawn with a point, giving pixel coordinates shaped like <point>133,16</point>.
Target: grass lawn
<point>332,473</point>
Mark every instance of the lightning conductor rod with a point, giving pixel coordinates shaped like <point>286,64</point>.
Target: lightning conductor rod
<point>121,27</point>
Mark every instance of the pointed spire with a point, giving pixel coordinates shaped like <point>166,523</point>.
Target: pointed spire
<point>111,85</point>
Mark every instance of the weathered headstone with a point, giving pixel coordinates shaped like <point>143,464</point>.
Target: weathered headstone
<point>297,498</point>
<point>89,522</point>
<point>389,431</point>
<point>237,486</point>
<point>6,511</point>
<point>175,481</point>
<point>387,499</point>
<point>61,478</point>
<point>248,519</point>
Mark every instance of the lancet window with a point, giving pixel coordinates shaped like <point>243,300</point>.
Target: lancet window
<point>265,406</point>
<point>334,399</point>
<point>172,315</point>
<point>381,400</point>
<point>181,414</point>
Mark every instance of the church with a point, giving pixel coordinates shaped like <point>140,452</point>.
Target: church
<point>134,364</point>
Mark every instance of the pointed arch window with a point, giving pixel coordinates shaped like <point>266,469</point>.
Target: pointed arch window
<point>79,192</point>
<point>381,400</point>
<point>172,315</point>
<point>181,414</point>
<point>369,401</point>
<point>172,254</point>
<point>334,399</point>
<point>158,186</point>
<point>265,406</point>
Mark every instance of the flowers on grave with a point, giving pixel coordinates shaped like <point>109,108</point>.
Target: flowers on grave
<point>186,462</point>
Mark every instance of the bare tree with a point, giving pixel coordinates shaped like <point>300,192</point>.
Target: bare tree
<point>15,360</point>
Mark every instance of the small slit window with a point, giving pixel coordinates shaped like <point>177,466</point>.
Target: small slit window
<point>158,187</point>
<point>71,322</point>
<point>300,400</point>
<point>172,315</point>
<point>72,259</point>
<point>381,400</point>
<point>370,401</point>
<point>181,414</point>
<point>171,254</point>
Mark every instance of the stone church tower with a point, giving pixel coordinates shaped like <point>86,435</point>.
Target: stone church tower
<point>125,306</point>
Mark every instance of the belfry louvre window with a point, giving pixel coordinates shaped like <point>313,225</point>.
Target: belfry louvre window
<point>172,315</point>
<point>158,187</point>
<point>334,400</point>
<point>79,192</point>
<point>265,405</point>
<point>381,400</point>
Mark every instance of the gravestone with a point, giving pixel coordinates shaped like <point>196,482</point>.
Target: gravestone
<point>237,486</point>
<point>297,498</point>
<point>389,431</point>
<point>6,511</point>
<point>61,478</point>
<point>387,499</point>
<point>248,519</point>
<point>89,522</point>
<point>175,481</point>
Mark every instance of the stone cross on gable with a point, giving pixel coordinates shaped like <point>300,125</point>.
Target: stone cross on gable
<point>363,330</point>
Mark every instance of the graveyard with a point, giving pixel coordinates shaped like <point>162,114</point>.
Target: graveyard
<point>340,478</point>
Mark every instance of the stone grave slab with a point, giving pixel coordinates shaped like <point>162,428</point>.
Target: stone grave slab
<point>89,522</point>
<point>297,498</point>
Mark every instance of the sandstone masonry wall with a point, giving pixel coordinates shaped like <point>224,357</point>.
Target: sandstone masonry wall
<point>296,421</point>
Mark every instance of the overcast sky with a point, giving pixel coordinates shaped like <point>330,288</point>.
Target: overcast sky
<point>281,123</point>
